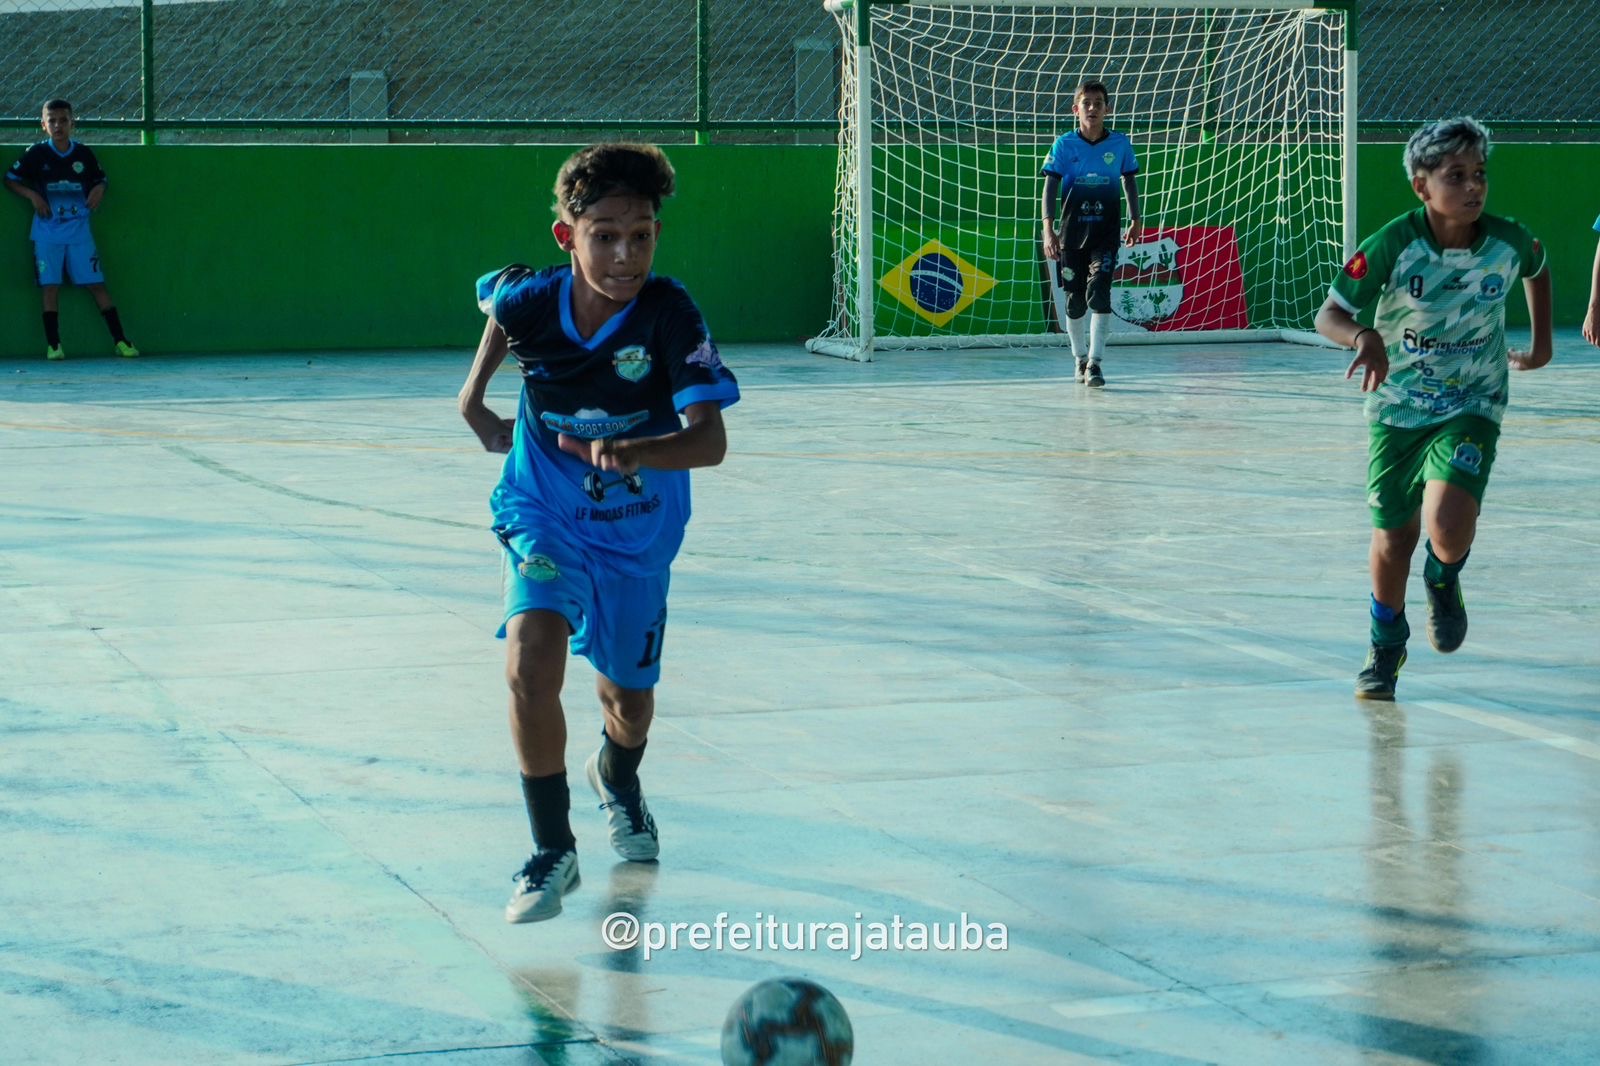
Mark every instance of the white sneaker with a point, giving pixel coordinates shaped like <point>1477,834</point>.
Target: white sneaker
<point>540,885</point>
<point>633,831</point>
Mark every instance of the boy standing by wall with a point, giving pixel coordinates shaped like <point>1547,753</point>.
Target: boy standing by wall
<point>63,181</point>
<point>1435,367</point>
<point>1089,161</point>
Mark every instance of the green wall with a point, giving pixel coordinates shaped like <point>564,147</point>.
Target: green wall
<point>1547,187</point>
<point>276,247</point>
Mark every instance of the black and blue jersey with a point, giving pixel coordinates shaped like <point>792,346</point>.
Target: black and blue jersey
<point>64,179</point>
<point>650,361</point>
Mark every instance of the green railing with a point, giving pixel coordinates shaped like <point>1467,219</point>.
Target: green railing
<point>675,70</point>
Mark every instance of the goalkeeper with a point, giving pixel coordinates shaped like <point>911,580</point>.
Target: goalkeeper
<point>1089,161</point>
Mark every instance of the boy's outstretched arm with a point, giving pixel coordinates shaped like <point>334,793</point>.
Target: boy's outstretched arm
<point>492,430</point>
<point>1537,289</point>
<point>1591,321</point>
<point>703,442</point>
<point>1372,356</point>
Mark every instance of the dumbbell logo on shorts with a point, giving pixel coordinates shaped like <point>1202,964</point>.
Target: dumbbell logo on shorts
<point>596,486</point>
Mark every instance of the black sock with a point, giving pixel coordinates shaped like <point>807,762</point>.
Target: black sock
<point>549,803</point>
<point>52,329</point>
<point>114,324</point>
<point>619,766</point>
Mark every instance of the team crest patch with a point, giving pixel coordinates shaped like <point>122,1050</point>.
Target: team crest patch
<point>1109,157</point>
<point>1468,458</point>
<point>1491,288</point>
<point>77,167</point>
<point>538,568</point>
<point>705,355</point>
<point>632,362</point>
<point>1356,268</point>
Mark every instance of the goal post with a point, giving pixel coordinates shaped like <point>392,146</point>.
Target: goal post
<point>1241,114</point>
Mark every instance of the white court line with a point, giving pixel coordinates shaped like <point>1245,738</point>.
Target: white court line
<point>1161,616</point>
<point>1232,996</point>
<point>1587,748</point>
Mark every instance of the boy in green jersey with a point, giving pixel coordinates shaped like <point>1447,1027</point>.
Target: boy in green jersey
<point>1434,365</point>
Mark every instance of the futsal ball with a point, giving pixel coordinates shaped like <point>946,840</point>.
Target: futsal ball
<point>787,1022</point>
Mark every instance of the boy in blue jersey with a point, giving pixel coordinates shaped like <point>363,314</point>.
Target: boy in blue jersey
<point>594,493</point>
<point>1089,162</point>
<point>63,181</point>
<point>1434,364</point>
<point>1591,321</point>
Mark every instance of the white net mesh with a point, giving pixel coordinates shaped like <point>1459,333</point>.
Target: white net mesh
<point>1236,117</point>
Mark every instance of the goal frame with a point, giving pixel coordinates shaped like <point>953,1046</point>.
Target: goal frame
<point>861,346</point>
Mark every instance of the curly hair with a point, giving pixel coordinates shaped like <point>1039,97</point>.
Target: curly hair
<point>611,169</point>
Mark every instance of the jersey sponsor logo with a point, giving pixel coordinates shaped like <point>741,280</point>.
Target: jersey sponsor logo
<point>1414,343</point>
<point>1491,288</point>
<point>705,355</point>
<point>539,568</point>
<point>1467,458</point>
<point>1091,181</point>
<point>632,363</point>
<point>1356,268</point>
<point>590,424</point>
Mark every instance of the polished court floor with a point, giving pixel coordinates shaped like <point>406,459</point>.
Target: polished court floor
<point>1060,678</point>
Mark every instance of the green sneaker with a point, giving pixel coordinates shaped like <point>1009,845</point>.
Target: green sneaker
<point>126,350</point>
<point>1447,615</point>
<point>54,353</point>
<point>1377,680</point>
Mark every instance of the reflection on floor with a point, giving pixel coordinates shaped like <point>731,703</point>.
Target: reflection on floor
<point>1018,714</point>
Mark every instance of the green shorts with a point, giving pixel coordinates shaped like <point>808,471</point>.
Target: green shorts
<point>1401,461</point>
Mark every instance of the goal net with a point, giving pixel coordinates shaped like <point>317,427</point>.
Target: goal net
<point>1241,116</point>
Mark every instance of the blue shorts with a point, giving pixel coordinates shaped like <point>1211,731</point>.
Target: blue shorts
<point>618,622</point>
<point>80,260</point>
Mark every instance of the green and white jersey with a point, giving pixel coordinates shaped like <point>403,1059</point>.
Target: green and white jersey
<point>1442,314</point>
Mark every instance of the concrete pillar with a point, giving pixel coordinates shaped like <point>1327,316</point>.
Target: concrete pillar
<point>816,86</point>
<point>369,98</point>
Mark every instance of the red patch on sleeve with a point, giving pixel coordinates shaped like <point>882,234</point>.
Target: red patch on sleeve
<point>1357,267</point>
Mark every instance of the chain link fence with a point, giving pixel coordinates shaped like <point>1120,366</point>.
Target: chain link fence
<point>397,70</point>
<point>557,71</point>
<point>1521,66</point>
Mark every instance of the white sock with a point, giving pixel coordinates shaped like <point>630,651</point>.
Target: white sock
<point>1078,329</point>
<point>1099,326</point>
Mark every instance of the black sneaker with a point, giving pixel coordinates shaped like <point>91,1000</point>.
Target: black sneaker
<point>1082,371</point>
<point>540,885</point>
<point>1095,379</point>
<point>1447,616</point>
<point>1377,680</point>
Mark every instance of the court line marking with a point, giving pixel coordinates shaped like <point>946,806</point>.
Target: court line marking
<point>1162,615</point>
<point>1228,997</point>
<point>1578,746</point>
<point>295,494</point>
